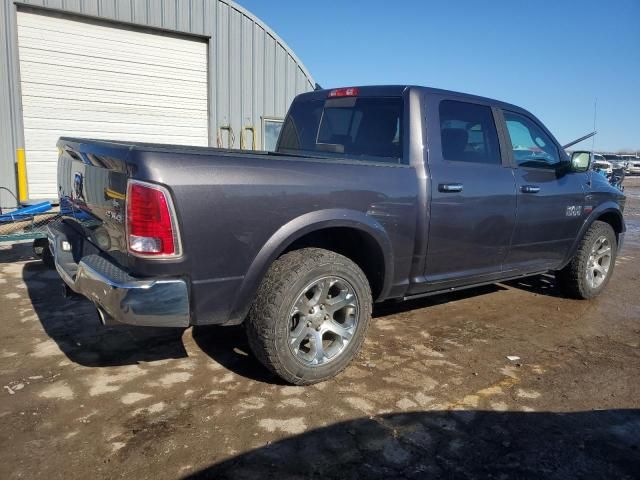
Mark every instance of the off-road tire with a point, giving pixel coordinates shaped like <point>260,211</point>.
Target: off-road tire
<point>268,322</point>
<point>572,279</point>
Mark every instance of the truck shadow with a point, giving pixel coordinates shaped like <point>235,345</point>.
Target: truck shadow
<point>451,444</point>
<point>17,252</point>
<point>544,284</point>
<point>229,347</point>
<point>393,307</point>
<point>73,324</point>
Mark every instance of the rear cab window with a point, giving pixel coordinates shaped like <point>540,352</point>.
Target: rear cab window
<point>357,127</point>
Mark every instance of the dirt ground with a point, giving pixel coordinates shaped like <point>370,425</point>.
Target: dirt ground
<point>432,394</point>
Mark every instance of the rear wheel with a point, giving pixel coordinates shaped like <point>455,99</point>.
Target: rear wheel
<point>592,266</point>
<point>310,315</point>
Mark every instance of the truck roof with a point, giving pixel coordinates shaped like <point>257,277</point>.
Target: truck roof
<point>397,90</point>
<point>364,91</point>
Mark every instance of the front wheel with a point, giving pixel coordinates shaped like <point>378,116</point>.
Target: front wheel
<point>592,266</point>
<point>310,315</point>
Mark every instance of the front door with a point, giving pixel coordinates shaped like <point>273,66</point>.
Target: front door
<point>473,200</point>
<point>550,198</point>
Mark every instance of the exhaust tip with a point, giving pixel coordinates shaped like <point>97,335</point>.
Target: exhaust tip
<point>105,318</point>
<point>67,292</point>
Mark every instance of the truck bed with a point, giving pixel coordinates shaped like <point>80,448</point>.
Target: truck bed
<point>232,207</point>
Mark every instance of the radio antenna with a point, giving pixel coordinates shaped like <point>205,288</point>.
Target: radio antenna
<point>595,111</point>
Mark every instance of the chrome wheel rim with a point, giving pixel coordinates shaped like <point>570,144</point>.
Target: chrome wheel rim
<point>323,320</point>
<point>599,262</point>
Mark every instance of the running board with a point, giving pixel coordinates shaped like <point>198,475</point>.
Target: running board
<point>473,285</point>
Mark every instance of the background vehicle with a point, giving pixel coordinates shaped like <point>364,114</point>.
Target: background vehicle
<point>624,161</point>
<point>634,167</point>
<point>632,164</point>
<point>602,165</point>
<point>615,160</point>
<point>617,178</point>
<point>373,193</point>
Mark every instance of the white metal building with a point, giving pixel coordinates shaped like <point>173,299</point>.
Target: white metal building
<point>197,72</point>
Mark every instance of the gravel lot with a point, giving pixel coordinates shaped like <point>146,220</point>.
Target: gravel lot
<point>432,394</point>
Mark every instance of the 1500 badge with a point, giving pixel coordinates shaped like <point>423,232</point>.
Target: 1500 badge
<point>574,211</point>
<point>115,214</point>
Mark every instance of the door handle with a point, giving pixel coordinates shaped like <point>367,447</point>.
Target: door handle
<point>450,187</point>
<point>530,189</point>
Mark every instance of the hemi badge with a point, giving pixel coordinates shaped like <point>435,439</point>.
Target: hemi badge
<point>587,209</point>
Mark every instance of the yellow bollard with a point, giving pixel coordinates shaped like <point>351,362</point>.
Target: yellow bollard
<point>21,161</point>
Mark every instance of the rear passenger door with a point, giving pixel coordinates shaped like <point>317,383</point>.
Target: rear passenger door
<point>550,197</point>
<point>473,199</point>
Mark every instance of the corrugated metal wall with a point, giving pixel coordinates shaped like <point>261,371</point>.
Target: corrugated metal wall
<point>11,133</point>
<point>252,73</point>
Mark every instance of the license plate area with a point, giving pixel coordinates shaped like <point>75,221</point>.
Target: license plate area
<point>68,247</point>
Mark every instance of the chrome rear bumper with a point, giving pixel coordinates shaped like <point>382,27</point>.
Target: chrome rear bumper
<point>119,297</point>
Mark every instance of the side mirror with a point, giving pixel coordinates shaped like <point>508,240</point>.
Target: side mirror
<point>581,161</point>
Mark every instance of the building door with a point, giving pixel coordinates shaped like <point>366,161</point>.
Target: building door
<point>99,80</point>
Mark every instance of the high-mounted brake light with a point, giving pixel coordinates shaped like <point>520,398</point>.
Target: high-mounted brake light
<point>344,92</point>
<point>151,224</point>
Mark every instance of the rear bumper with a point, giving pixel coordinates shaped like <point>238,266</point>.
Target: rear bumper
<point>120,297</point>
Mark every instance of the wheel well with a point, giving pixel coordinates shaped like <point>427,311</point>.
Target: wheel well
<point>358,246</point>
<point>613,219</point>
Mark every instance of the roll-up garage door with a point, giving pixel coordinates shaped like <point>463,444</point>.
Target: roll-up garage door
<point>88,79</point>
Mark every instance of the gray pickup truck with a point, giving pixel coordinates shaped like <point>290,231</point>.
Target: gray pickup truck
<point>373,193</point>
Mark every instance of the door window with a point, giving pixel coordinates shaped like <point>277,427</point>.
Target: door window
<point>531,146</point>
<point>468,133</point>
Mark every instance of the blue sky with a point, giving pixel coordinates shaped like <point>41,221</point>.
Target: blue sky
<point>552,57</point>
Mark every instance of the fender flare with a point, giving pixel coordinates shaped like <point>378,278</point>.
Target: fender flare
<point>296,229</point>
<point>606,207</point>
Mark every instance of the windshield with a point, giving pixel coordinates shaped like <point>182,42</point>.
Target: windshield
<point>365,128</point>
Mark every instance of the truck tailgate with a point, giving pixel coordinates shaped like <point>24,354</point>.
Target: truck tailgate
<point>92,186</point>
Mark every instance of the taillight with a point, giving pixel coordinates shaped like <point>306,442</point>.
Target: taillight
<point>344,92</point>
<point>151,224</point>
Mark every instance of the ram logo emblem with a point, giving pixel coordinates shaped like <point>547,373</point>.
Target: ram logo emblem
<point>78,185</point>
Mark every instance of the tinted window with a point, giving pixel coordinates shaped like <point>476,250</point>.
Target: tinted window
<point>367,128</point>
<point>468,133</point>
<point>531,146</point>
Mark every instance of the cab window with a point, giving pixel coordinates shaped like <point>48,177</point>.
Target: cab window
<point>531,146</point>
<point>468,133</point>
<point>358,128</point>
